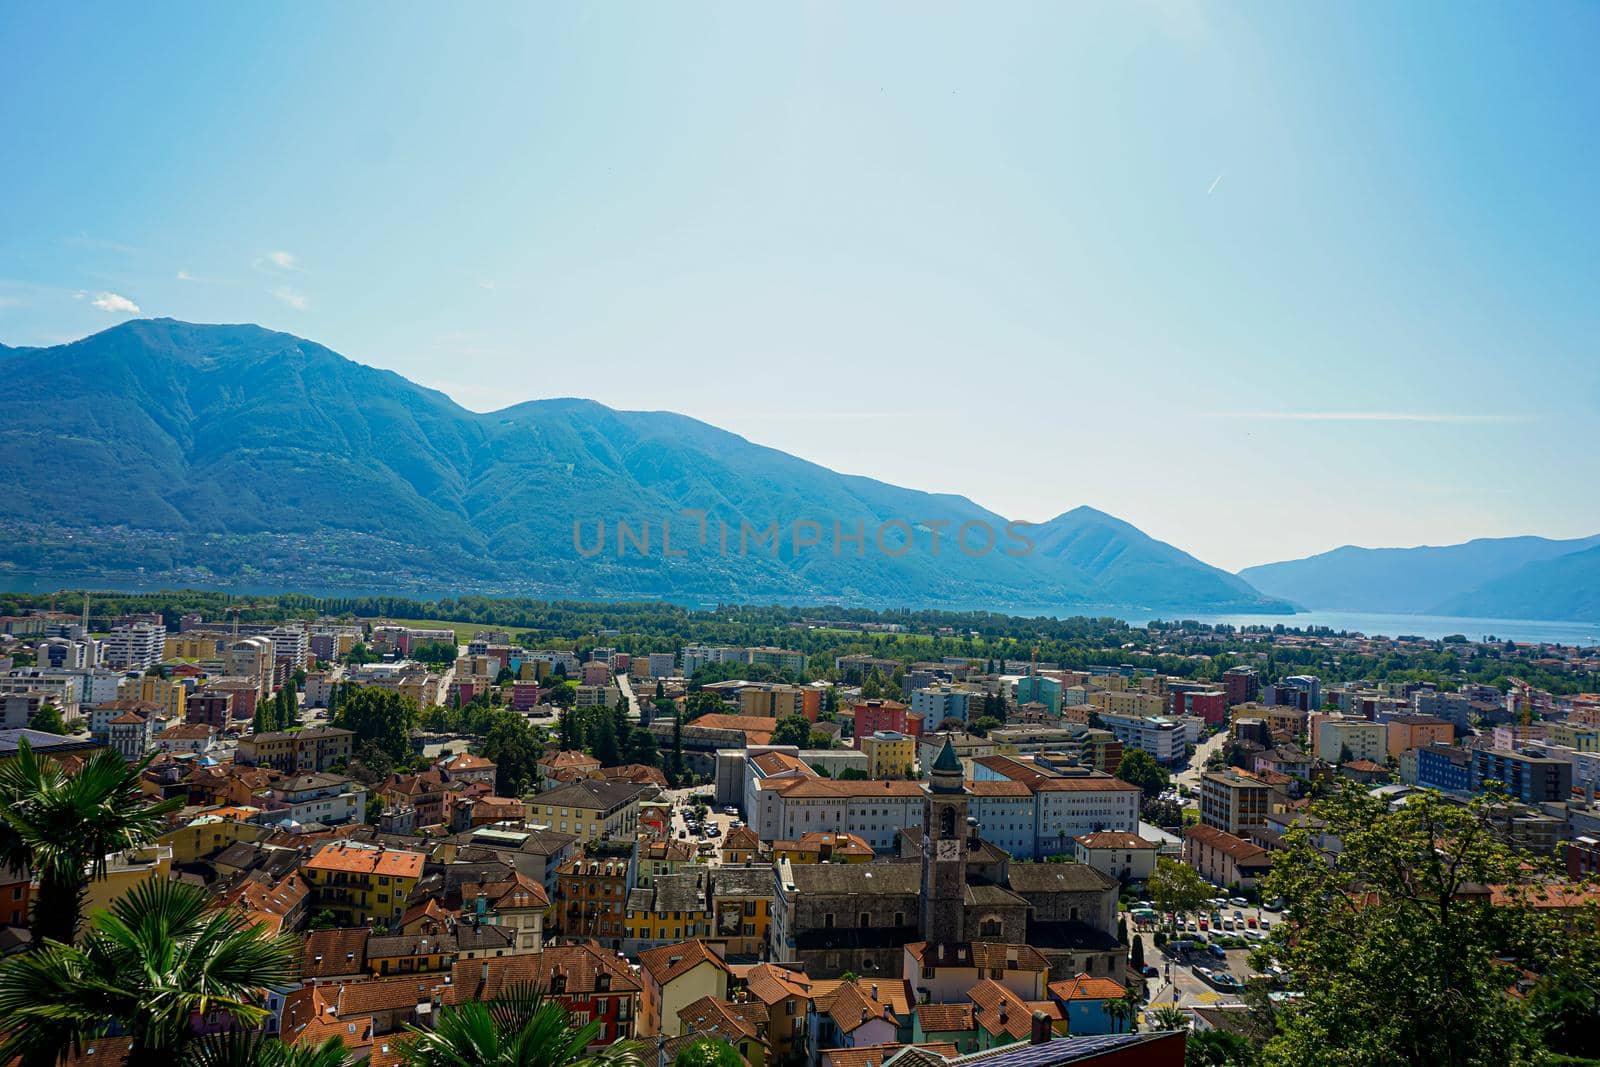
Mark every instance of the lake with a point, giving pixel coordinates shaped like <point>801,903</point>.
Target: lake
<point>1435,626</point>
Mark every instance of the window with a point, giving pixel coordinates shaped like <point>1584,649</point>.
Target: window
<point>866,920</point>
<point>827,921</point>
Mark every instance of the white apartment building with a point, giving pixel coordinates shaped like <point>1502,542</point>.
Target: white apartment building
<point>876,811</point>
<point>1006,814</point>
<point>1084,803</point>
<point>138,646</point>
<point>1165,739</point>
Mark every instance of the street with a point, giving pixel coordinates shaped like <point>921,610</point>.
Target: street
<point>1178,984</point>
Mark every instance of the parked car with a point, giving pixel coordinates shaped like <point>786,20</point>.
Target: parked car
<point>1227,923</point>
<point>1265,925</point>
<point>1251,922</point>
<point>1219,952</point>
<point>730,810</point>
<point>1239,902</point>
<point>1149,971</point>
<point>1204,925</point>
<point>1239,915</point>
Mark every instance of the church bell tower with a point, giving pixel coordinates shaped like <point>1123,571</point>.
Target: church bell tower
<point>944,850</point>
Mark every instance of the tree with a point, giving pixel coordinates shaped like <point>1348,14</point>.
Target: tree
<point>792,730</point>
<point>518,1030</point>
<point>675,766</point>
<point>47,719</point>
<point>515,752</point>
<point>1140,768</point>
<point>853,774</point>
<point>1395,962</point>
<point>381,716</point>
<point>1176,888</point>
<point>603,744</point>
<point>708,1052</point>
<point>1167,1017</point>
<point>981,726</point>
<point>242,1048</point>
<point>702,703</point>
<point>63,826</point>
<point>359,654</point>
<point>1136,952</point>
<point>642,748</point>
<point>569,730</point>
<point>438,653</point>
<point>162,954</point>
<point>1218,1048</point>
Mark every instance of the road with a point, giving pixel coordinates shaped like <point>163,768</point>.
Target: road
<point>1189,777</point>
<point>625,684</point>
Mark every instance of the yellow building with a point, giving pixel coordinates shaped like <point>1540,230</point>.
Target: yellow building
<point>1574,735</point>
<point>151,689</point>
<point>124,870</point>
<point>589,809</point>
<point>675,976</point>
<point>741,906</point>
<point>208,835</point>
<point>362,883</point>
<point>409,954</point>
<point>1132,703</point>
<point>193,648</point>
<point>889,754</point>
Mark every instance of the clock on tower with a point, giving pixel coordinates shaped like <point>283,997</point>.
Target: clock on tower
<point>944,851</point>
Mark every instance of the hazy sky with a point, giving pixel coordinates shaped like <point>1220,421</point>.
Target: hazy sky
<point>1262,279</point>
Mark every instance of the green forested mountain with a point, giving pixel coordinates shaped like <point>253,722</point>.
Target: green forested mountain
<point>205,454</point>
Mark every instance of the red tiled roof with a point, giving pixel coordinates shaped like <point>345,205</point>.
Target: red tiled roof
<point>1085,987</point>
<point>673,961</point>
<point>583,968</point>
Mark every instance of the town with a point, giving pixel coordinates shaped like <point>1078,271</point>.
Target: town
<point>805,853</point>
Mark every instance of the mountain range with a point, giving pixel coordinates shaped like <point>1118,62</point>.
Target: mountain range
<point>167,452</point>
<point>1505,578</point>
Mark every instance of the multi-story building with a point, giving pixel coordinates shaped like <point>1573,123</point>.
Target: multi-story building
<point>67,654</point>
<point>874,715</point>
<point>1406,732</point>
<point>591,898</point>
<point>1443,767</point>
<point>168,693</point>
<point>129,735</point>
<point>874,810</point>
<point>1164,738</point>
<point>314,749</point>
<point>1131,703</point>
<point>588,809</point>
<point>591,984</point>
<point>1580,737</point>
<point>780,658</point>
<point>1234,801</point>
<point>1223,859</point>
<point>936,703</point>
<point>361,883</point>
<point>1210,705</point>
<point>1454,708</point>
<point>675,976</point>
<point>1528,778</point>
<point>1038,689</point>
<point>137,646</point>
<point>1303,691</point>
<point>889,754</point>
<point>1242,684</point>
<point>1341,740</point>
<point>1124,856</point>
<point>329,799</point>
<point>60,690</point>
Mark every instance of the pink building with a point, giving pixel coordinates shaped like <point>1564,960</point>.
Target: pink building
<point>874,715</point>
<point>597,672</point>
<point>524,695</point>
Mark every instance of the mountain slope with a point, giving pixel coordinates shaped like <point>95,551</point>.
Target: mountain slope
<point>237,455</point>
<point>1414,580</point>
<point>1126,565</point>
<point>1567,587</point>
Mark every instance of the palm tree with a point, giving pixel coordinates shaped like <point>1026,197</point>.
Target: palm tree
<point>240,1048</point>
<point>1168,1017</point>
<point>63,826</point>
<point>162,955</point>
<point>519,1030</point>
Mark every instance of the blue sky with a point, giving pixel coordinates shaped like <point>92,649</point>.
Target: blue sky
<point>1262,279</point>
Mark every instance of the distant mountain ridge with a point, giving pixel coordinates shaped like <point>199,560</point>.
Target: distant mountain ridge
<point>237,455</point>
<point>1508,577</point>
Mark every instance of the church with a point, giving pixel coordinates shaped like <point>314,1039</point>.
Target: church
<point>947,888</point>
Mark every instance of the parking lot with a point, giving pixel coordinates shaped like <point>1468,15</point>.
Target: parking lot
<point>717,822</point>
<point>1178,981</point>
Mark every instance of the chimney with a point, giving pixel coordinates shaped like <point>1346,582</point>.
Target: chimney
<point>1002,1013</point>
<point>874,990</point>
<point>1041,1029</point>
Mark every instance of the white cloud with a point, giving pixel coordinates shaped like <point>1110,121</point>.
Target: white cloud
<point>293,298</point>
<point>185,276</point>
<point>1214,183</point>
<point>116,304</point>
<point>285,260</point>
<point>1362,416</point>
